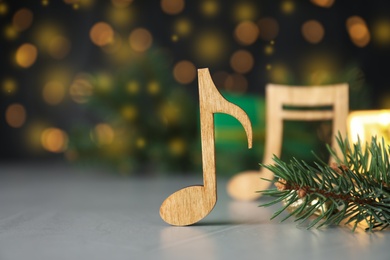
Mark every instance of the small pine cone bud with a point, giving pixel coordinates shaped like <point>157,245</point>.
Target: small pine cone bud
<point>336,168</point>
<point>281,184</point>
<point>301,193</point>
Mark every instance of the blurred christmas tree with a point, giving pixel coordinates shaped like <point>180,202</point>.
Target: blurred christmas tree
<point>140,121</point>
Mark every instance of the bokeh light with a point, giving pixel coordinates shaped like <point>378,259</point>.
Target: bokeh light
<point>22,19</point>
<point>140,39</point>
<point>54,140</point>
<point>153,87</point>
<point>236,83</point>
<point>358,31</point>
<point>241,61</point>
<point>269,49</point>
<point>129,112</point>
<point>323,3</point>
<point>81,89</point>
<point>101,33</point>
<point>278,73</point>
<point>103,134</point>
<point>53,92</point>
<point>269,28</point>
<point>26,55</point>
<point>172,6</point>
<point>244,11</point>
<point>287,6</point>
<point>59,47</point>
<point>381,31</point>
<point>9,86</point>
<point>120,16</point>
<point>219,78</point>
<point>209,8</point>
<point>313,31</point>
<point>246,32</point>
<point>133,87</point>
<point>210,46</point>
<point>177,146</point>
<point>10,33</point>
<point>15,115</point>
<point>184,72</point>
<point>182,27</point>
<point>3,8</point>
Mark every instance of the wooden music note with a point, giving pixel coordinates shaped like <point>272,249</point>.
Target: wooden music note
<point>191,204</point>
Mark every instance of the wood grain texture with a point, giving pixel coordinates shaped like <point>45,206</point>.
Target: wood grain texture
<point>241,186</point>
<point>191,204</point>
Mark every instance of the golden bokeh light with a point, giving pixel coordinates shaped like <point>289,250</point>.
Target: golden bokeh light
<point>278,73</point>
<point>172,6</point>
<point>236,83</point>
<point>53,92</point>
<point>103,134</point>
<point>22,19</point>
<point>10,33</point>
<point>15,115</point>
<point>129,112</point>
<point>241,61</point>
<point>26,55</point>
<point>121,3</point>
<point>182,27</point>
<point>209,7</point>
<point>54,140</point>
<point>81,89</point>
<point>170,113</point>
<point>115,45</point>
<point>313,31</point>
<point>210,46</point>
<point>120,16</point>
<point>358,31</point>
<point>101,33</point>
<point>269,28</point>
<point>184,72</point>
<point>3,8</point>
<point>140,39</point>
<point>287,6</point>
<point>45,2</point>
<point>269,49</point>
<point>153,87</point>
<point>381,31</point>
<point>244,11</point>
<point>9,86</point>
<point>246,33</point>
<point>132,87</point>
<point>140,142</point>
<point>177,146</point>
<point>59,47</point>
<point>323,3</point>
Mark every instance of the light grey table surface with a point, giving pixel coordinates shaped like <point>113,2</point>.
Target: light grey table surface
<point>56,212</point>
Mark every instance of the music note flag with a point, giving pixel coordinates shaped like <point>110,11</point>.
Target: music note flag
<point>191,204</point>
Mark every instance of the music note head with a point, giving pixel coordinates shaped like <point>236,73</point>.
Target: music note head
<point>187,206</point>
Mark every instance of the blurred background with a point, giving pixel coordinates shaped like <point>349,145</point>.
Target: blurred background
<point>114,83</point>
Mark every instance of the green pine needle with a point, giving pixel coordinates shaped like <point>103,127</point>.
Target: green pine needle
<point>355,190</point>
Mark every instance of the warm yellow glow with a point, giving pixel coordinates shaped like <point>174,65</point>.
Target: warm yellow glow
<point>177,146</point>
<point>184,72</point>
<point>209,7</point>
<point>368,123</point>
<point>121,3</point>
<point>246,32</point>
<point>269,28</point>
<point>278,73</point>
<point>129,112</point>
<point>59,47</point>
<point>3,8</point>
<point>53,92</point>
<point>45,2</point>
<point>236,83</point>
<point>103,134</point>
<point>101,33</point>
<point>287,6</point>
<point>9,86</point>
<point>244,11</point>
<point>54,140</point>
<point>172,6</point>
<point>120,16</point>
<point>269,49</point>
<point>140,142</point>
<point>15,115</point>
<point>114,46</point>
<point>381,31</point>
<point>182,27</point>
<point>210,46</point>
<point>242,61</point>
<point>140,39</point>
<point>10,33</point>
<point>358,31</point>
<point>81,89</point>
<point>133,87</point>
<point>22,19</point>
<point>153,87</point>
<point>323,3</point>
<point>26,55</point>
<point>313,31</point>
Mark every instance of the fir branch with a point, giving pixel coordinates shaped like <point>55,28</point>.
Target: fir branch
<point>352,191</point>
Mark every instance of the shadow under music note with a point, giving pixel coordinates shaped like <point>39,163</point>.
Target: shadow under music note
<point>191,204</point>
